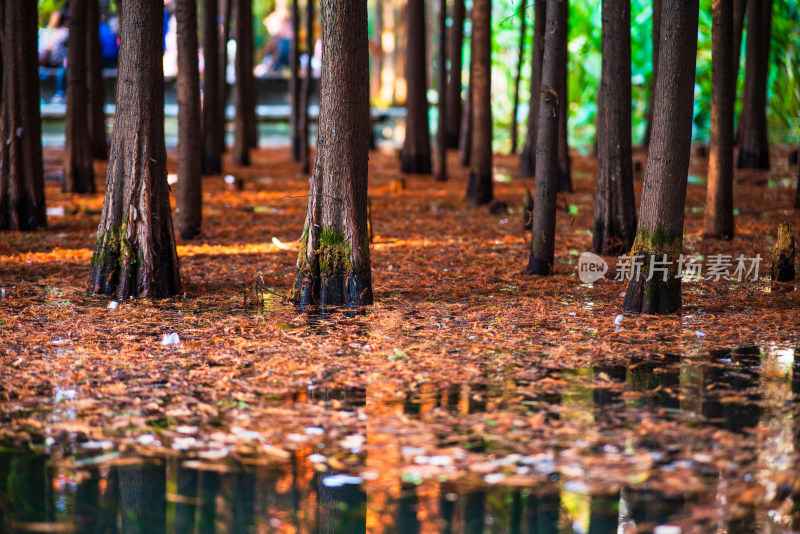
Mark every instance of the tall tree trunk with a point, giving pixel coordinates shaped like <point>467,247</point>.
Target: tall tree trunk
<point>614,202</point>
<point>416,155</point>
<point>441,134</point>
<point>22,205</point>
<point>244,67</point>
<point>143,487</point>
<point>564,173</point>
<point>224,88</point>
<point>465,135</point>
<point>523,34</point>
<point>546,185</point>
<point>752,140</point>
<point>305,120</point>
<point>479,188</point>
<point>455,55</point>
<point>95,84</point>
<point>719,192</point>
<point>739,8</point>
<point>797,193</point>
<point>660,231</point>
<point>654,78</point>
<point>78,172</point>
<point>189,195</point>
<point>135,255</point>
<point>527,160</point>
<point>294,83</point>
<point>213,122</point>
<point>377,57</point>
<point>334,262</point>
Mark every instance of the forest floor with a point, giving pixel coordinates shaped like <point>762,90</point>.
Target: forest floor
<point>466,368</point>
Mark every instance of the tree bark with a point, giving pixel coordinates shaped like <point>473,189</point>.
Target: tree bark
<point>78,172</point>
<point>441,139</point>
<point>189,195</point>
<point>135,255</point>
<point>564,173</point>
<point>224,87</point>
<point>654,78</point>
<point>334,260</point>
<point>527,160</point>
<point>416,155</point>
<point>752,140</point>
<point>305,120</point>
<point>213,122</point>
<point>739,8</point>
<point>660,231</point>
<point>479,188</point>
<point>614,202</point>
<point>797,193</point>
<point>520,60</point>
<point>294,83</point>
<point>95,85</point>
<point>544,201</point>
<point>22,204</point>
<point>718,221</point>
<point>244,68</point>
<point>455,55</point>
<point>465,135</point>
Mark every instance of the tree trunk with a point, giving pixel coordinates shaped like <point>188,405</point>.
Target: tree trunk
<point>546,184</point>
<point>441,139</point>
<point>416,155</point>
<point>465,136</point>
<point>224,88</point>
<point>739,8</point>
<point>455,55</point>
<point>527,160</point>
<point>187,492</point>
<point>95,85</point>
<point>660,231</point>
<point>752,140</point>
<point>189,195</point>
<point>334,262</point>
<point>78,172</point>
<point>718,221</point>
<point>654,78</point>
<point>306,93</point>
<point>134,255</point>
<point>797,193</point>
<point>614,202</point>
<point>244,67</point>
<point>22,205</point>
<point>377,57</point>
<point>479,189</point>
<point>564,173</point>
<point>143,487</point>
<point>213,122</point>
<point>520,60</point>
<point>294,83</point>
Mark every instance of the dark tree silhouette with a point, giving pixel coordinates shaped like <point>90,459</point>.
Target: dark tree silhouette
<point>189,194</point>
<point>614,202</point>
<point>523,34</point>
<point>455,55</point>
<point>660,231</point>
<point>479,188</point>
<point>94,83</point>
<point>527,160</point>
<point>243,122</point>
<point>134,255</point>
<point>441,135</point>
<point>78,172</point>
<point>294,83</point>
<point>224,87</point>
<point>334,260</point>
<point>718,221</point>
<point>186,507</point>
<point>752,140</point>
<point>416,155</point>
<point>564,173</point>
<point>213,121</point>
<point>305,95</point>
<point>143,487</point>
<point>22,205</point>
<point>739,8</point>
<point>656,40</point>
<point>465,133</point>
<point>546,186</point>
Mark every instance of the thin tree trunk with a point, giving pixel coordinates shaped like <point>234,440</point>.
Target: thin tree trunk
<point>294,83</point>
<point>564,173</point>
<point>719,192</point>
<point>441,139</point>
<point>95,85</point>
<point>614,202</point>
<point>527,160</point>
<point>306,93</point>
<point>242,128</point>
<point>455,55</point>
<point>479,188</point>
<point>739,8</point>
<point>213,122</point>
<point>416,155</point>
<point>22,204</point>
<point>224,88</point>
<point>78,171</point>
<point>135,255</point>
<point>334,260</point>
<point>654,78</point>
<point>546,185</point>
<point>797,193</point>
<point>521,57</point>
<point>465,137</point>
<point>189,195</point>
<point>660,231</point>
<point>752,140</point>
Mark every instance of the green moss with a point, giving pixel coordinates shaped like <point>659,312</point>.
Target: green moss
<point>334,252</point>
<point>657,243</point>
<point>115,245</point>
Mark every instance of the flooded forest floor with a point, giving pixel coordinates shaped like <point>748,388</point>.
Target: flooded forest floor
<point>467,382</point>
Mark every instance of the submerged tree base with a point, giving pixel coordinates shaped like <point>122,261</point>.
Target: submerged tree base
<point>654,296</point>
<point>656,292</point>
<point>349,290</point>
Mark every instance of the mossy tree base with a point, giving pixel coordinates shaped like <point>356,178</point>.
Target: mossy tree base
<point>654,296</point>
<point>349,290</point>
